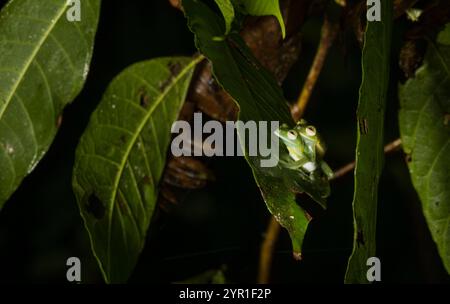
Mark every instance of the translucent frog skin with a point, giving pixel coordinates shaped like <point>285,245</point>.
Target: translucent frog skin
<point>306,149</point>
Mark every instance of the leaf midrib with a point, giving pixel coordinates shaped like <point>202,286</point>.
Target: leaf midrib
<point>118,177</point>
<point>32,57</point>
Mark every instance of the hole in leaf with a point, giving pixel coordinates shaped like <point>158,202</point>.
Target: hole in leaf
<point>95,207</point>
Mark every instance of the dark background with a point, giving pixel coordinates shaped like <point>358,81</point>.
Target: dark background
<point>223,225</point>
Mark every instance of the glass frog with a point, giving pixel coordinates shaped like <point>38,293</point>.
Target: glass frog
<point>306,149</point>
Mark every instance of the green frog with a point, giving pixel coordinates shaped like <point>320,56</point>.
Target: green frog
<point>306,149</point>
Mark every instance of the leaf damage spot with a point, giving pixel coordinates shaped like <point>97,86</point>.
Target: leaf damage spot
<point>144,99</point>
<point>147,188</point>
<point>174,68</point>
<point>360,238</point>
<point>95,207</point>
<point>9,149</point>
<point>147,180</point>
<point>363,126</point>
<point>59,121</point>
<point>123,139</point>
<point>164,84</point>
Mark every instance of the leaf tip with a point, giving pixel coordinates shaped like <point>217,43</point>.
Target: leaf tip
<point>297,256</point>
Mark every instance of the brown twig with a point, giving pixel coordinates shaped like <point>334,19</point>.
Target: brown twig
<point>267,249</point>
<point>328,35</point>
<point>389,148</point>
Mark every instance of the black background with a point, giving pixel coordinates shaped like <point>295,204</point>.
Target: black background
<point>223,225</point>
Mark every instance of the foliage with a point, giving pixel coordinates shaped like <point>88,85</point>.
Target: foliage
<point>424,108</point>
<point>44,63</point>
<point>369,151</point>
<point>121,174</point>
<point>121,157</point>
<point>259,99</point>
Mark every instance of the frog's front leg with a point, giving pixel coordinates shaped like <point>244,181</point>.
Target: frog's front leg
<point>326,169</point>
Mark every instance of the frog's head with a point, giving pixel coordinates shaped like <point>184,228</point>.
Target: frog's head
<point>311,138</point>
<point>301,141</point>
<point>287,135</point>
<point>293,141</point>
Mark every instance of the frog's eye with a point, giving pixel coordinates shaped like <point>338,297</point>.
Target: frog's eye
<point>311,131</point>
<point>292,135</point>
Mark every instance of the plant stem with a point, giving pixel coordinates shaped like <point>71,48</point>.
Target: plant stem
<point>267,249</point>
<point>328,35</point>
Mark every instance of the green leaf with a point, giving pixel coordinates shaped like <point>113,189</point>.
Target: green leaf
<point>259,99</point>
<point>264,8</point>
<point>444,36</point>
<point>44,61</point>
<point>425,133</point>
<point>227,9</point>
<point>121,157</point>
<point>369,150</point>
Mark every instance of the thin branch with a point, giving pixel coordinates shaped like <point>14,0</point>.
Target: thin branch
<point>328,35</point>
<point>267,249</point>
<point>389,148</point>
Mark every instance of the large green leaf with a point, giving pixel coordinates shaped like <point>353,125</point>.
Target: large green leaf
<point>259,99</point>
<point>121,157</point>
<point>44,61</point>
<point>369,150</point>
<point>425,132</point>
